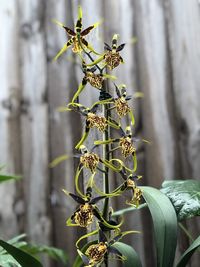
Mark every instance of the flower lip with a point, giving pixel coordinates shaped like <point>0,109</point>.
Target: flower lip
<point>122,107</point>
<point>112,59</point>
<point>84,216</point>
<point>96,80</point>
<point>96,121</point>
<point>90,161</point>
<point>96,252</point>
<point>126,145</point>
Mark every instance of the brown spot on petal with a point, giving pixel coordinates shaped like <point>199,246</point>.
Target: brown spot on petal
<point>112,59</point>
<point>127,147</point>
<point>84,216</point>
<point>96,121</point>
<point>121,106</point>
<point>90,161</point>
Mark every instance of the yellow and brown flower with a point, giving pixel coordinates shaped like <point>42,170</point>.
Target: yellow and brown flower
<point>84,216</point>
<point>90,161</point>
<point>136,197</point>
<point>99,122</point>
<point>96,80</point>
<point>96,253</point>
<point>126,146</point>
<point>122,107</point>
<point>112,59</point>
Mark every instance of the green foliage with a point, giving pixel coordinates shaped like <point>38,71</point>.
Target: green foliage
<point>165,225</point>
<point>188,253</point>
<point>29,249</point>
<point>52,252</point>
<point>19,255</point>
<point>185,197</point>
<point>130,256</point>
<point>127,210</point>
<point>7,177</point>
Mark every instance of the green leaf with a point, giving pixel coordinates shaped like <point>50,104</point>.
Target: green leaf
<point>7,177</point>
<point>188,253</point>
<point>52,252</point>
<point>16,239</point>
<point>24,259</point>
<point>131,257</point>
<point>8,261</point>
<point>165,225</point>
<point>124,211</point>
<point>185,197</point>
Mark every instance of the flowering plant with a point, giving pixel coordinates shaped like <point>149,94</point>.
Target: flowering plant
<point>116,111</point>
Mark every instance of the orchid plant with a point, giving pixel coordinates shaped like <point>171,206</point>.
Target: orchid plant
<point>111,114</point>
<point>96,68</point>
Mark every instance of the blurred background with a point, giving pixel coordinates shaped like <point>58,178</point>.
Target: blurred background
<point>163,64</point>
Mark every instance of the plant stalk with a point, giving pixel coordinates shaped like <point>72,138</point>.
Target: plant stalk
<point>106,156</point>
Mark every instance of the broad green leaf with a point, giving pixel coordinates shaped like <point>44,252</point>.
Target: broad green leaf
<point>124,211</point>
<point>8,261</point>
<point>188,253</point>
<point>165,225</point>
<point>15,241</point>
<point>54,253</point>
<point>131,257</point>
<point>24,259</point>
<point>185,197</point>
<point>7,177</point>
<point>34,250</point>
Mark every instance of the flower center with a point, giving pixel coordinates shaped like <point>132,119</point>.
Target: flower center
<point>96,252</point>
<point>97,121</point>
<point>96,80</point>
<point>130,183</point>
<point>90,161</point>
<point>121,106</point>
<point>84,216</point>
<point>76,45</point>
<point>136,197</point>
<point>126,146</point>
<point>113,59</point>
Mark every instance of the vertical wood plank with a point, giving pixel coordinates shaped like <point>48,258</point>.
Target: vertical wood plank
<point>154,81</point>
<point>9,113</point>
<point>35,120</point>
<point>64,127</point>
<point>184,32</point>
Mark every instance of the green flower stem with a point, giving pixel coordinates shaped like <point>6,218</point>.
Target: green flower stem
<point>186,232</point>
<point>106,156</point>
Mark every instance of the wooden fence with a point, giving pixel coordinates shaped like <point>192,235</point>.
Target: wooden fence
<point>164,64</point>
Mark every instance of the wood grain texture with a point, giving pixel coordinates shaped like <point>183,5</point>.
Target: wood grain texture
<point>9,113</point>
<point>35,120</point>
<point>154,81</point>
<point>184,32</point>
<point>64,127</point>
